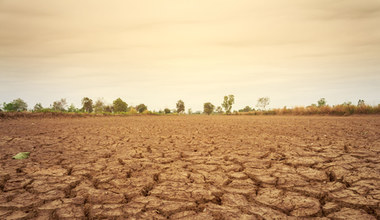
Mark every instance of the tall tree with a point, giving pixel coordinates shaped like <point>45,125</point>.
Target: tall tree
<point>119,105</point>
<point>87,104</point>
<point>180,106</point>
<point>228,102</point>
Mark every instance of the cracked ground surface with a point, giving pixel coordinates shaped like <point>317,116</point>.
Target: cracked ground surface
<point>193,167</point>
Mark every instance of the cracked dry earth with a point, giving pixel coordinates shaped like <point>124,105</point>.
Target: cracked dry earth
<point>191,167</point>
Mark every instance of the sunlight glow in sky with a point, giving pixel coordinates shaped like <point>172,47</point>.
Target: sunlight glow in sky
<point>157,52</point>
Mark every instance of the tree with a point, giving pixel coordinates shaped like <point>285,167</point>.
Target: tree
<point>141,108</point>
<point>189,111</point>
<point>208,108</point>
<point>38,107</point>
<point>180,106</point>
<point>262,102</point>
<point>72,108</point>
<point>228,102</point>
<point>87,105</point>
<point>167,111</point>
<point>8,107</point>
<point>119,105</point>
<point>60,105</point>
<point>219,110</point>
<point>246,109</point>
<point>361,102</point>
<point>16,105</point>
<point>321,102</point>
<point>108,108</point>
<point>99,106</point>
<point>132,111</point>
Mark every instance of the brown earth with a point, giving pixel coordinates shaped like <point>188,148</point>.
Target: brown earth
<point>191,167</point>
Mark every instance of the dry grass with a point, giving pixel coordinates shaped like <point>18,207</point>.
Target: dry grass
<point>342,109</point>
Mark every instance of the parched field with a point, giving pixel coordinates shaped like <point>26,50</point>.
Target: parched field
<point>191,167</point>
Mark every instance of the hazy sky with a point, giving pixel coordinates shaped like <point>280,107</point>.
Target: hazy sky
<point>157,52</point>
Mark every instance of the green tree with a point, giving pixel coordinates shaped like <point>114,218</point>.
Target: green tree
<point>228,102</point>
<point>208,108</point>
<point>119,105</point>
<point>87,105</point>
<point>189,111</point>
<point>167,111</point>
<point>263,102</point>
<point>38,107</point>
<point>99,106</point>
<point>16,105</point>
<point>141,108</point>
<point>60,105</point>
<point>321,102</point>
<point>180,106</point>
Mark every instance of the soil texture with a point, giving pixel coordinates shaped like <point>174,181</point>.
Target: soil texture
<point>191,167</point>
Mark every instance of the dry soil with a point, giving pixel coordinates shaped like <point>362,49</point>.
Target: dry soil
<point>191,167</point>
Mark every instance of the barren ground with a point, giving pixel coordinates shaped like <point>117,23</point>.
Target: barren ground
<point>191,167</point>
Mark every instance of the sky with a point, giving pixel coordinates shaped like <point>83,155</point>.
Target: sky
<point>158,52</point>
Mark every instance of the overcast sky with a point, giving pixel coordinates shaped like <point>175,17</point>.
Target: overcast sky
<point>157,52</point>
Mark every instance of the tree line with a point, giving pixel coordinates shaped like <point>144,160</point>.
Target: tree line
<point>120,106</point>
